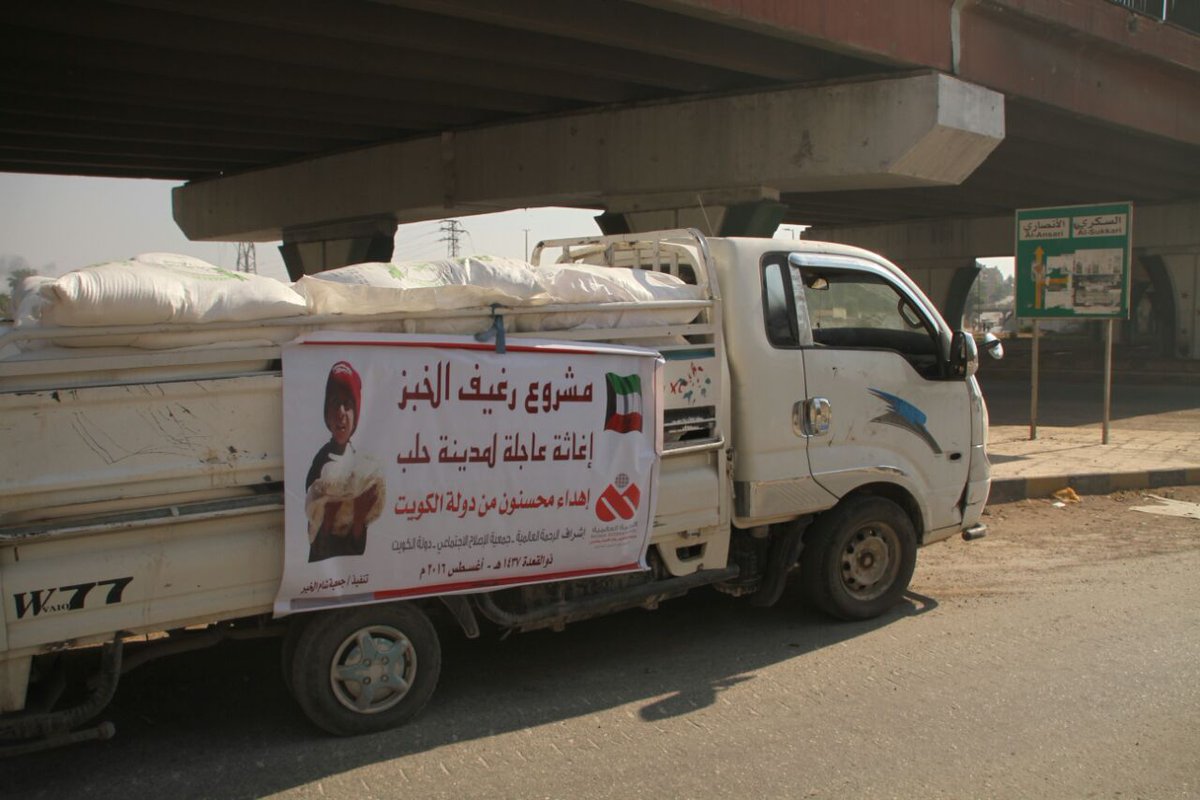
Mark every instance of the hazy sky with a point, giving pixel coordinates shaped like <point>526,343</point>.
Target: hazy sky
<point>73,222</point>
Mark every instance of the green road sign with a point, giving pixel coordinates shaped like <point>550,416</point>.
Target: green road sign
<point>1074,261</point>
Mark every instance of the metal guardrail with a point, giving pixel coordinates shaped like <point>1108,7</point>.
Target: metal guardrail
<point>1151,8</point>
<point>1182,13</point>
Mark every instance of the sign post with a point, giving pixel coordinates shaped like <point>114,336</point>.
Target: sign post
<point>1108,339</point>
<point>1033,397</point>
<point>1073,262</point>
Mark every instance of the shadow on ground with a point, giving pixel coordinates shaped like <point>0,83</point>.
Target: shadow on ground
<point>220,722</point>
<point>1064,404</point>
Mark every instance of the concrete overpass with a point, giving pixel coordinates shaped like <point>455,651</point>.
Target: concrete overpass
<point>913,127</point>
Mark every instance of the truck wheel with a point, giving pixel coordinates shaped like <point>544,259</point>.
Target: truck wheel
<point>365,669</point>
<point>287,646</point>
<point>859,558</point>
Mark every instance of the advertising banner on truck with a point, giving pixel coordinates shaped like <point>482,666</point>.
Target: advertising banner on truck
<point>419,465</point>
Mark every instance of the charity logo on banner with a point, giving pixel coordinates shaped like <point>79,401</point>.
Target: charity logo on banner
<point>419,465</point>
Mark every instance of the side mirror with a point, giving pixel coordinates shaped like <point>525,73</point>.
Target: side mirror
<point>964,355</point>
<point>993,346</point>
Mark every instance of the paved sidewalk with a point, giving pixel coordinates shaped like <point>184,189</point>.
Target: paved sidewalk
<point>1060,457</point>
<point>1154,439</point>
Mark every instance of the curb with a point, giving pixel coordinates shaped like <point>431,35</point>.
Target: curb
<point>1006,490</point>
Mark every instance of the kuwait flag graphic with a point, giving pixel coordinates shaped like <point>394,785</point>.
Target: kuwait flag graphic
<point>624,403</point>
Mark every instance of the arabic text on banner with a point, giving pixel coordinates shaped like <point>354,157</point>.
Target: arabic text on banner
<point>422,465</point>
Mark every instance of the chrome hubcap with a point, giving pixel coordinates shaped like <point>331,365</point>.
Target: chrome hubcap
<point>373,669</point>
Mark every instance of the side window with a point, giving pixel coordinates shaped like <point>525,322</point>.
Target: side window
<point>784,310</point>
<point>849,308</point>
<point>781,321</point>
<point>857,300</point>
<point>841,306</point>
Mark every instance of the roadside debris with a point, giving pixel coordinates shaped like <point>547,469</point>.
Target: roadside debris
<point>1064,496</point>
<point>1171,508</point>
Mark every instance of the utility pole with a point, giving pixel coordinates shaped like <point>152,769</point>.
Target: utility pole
<point>453,229</point>
<point>526,243</point>
<point>246,259</point>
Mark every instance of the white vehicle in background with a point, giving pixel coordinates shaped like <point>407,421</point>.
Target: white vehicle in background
<point>821,422</point>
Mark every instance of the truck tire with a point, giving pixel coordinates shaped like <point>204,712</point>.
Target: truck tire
<point>287,646</point>
<point>365,669</point>
<point>859,558</point>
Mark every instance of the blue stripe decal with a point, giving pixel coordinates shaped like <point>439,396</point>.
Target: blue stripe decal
<point>905,415</point>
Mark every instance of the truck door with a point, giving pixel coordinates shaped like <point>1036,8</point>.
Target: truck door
<point>879,404</point>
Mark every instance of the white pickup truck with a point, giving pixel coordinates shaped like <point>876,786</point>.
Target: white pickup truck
<point>836,428</point>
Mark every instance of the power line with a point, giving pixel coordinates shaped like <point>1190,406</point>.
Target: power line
<point>452,229</point>
<point>415,230</point>
<point>422,238</point>
<point>420,247</point>
<point>425,253</point>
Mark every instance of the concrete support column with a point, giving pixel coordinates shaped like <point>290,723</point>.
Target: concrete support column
<point>1183,271</point>
<point>743,211</point>
<point>946,282</point>
<point>310,249</point>
<point>1151,280</point>
<point>955,303</point>
<point>1169,236</point>
<point>1166,239</point>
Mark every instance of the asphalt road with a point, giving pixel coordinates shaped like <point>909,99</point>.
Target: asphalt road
<point>1058,658</point>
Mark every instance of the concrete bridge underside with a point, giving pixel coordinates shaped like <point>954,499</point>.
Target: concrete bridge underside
<point>719,164</point>
<point>888,124</point>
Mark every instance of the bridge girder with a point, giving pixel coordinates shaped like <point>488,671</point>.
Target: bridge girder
<point>925,129</point>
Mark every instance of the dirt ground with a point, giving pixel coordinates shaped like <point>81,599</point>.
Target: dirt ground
<point>1047,537</point>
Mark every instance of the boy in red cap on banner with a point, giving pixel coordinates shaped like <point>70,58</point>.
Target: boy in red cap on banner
<point>344,491</point>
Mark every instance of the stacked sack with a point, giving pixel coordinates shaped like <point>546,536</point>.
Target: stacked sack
<point>155,288</point>
<point>158,288</point>
<point>585,283</point>
<point>377,288</point>
<point>480,281</point>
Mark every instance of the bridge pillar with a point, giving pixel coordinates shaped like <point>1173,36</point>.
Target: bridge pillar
<point>954,305</point>
<point>310,249</point>
<point>751,211</point>
<point>1166,241</point>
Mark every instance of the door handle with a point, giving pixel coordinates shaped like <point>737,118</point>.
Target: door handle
<point>812,417</point>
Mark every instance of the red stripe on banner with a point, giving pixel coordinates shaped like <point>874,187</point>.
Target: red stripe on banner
<point>392,594</point>
<point>624,423</point>
<point>518,348</point>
